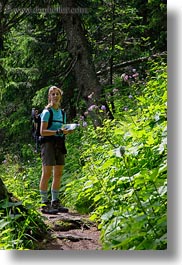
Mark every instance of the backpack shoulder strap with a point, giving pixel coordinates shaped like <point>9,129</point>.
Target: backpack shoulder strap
<point>64,116</point>
<point>50,118</point>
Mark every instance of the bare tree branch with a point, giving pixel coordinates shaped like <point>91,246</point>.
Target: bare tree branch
<point>138,60</point>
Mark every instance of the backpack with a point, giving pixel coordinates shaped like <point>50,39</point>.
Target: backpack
<point>36,123</point>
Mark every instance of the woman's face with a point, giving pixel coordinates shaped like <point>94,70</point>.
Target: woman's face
<point>55,97</point>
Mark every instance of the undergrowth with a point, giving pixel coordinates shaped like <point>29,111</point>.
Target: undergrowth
<point>117,173</point>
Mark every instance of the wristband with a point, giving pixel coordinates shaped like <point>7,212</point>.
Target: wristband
<point>59,131</point>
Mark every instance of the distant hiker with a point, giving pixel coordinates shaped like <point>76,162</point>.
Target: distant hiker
<point>35,118</point>
<point>53,151</point>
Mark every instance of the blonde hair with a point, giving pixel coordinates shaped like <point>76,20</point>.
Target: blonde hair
<point>51,89</point>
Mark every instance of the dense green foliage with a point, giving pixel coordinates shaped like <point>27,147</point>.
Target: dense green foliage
<point>116,172</point>
<point>123,179</point>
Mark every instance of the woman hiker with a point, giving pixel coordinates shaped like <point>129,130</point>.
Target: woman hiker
<point>52,151</point>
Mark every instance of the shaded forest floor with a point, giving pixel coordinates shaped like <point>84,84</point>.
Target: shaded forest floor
<point>70,231</point>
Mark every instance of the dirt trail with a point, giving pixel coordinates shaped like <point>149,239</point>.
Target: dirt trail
<point>70,231</point>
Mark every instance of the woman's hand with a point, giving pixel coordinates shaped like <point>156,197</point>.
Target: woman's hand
<point>64,131</point>
<point>67,131</point>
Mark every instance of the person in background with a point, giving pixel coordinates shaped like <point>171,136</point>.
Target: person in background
<point>53,152</point>
<point>35,120</point>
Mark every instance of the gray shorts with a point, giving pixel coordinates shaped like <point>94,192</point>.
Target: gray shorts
<point>52,154</point>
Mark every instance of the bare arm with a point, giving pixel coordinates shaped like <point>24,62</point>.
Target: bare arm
<point>46,132</point>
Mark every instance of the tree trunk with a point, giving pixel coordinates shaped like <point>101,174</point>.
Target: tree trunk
<point>10,201</point>
<point>3,191</point>
<point>89,87</point>
<point>78,47</point>
<point>5,194</point>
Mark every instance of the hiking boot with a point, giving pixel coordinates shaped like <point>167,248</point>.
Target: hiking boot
<point>60,208</point>
<point>48,209</point>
